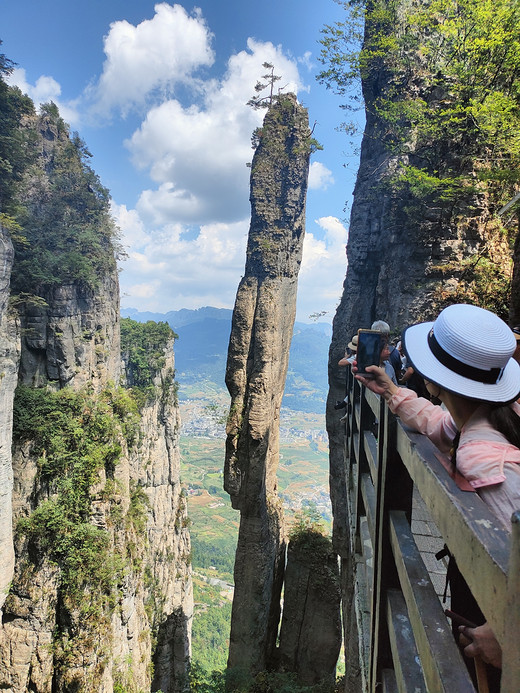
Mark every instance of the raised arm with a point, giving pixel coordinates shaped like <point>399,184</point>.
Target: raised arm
<point>416,412</point>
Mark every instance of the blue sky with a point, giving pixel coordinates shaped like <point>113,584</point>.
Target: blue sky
<point>158,93</point>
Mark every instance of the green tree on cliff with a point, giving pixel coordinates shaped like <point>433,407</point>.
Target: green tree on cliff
<point>467,53</point>
<point>14,139</point>
<point>441,80</point>
<point>270,80</point>
<point>64,212</point>
<point>143,348</point>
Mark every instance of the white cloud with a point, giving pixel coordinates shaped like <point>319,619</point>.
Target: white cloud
<point>336,233</point>
<point>144,291</point>
<point>323,269</point>
<point>130,224</point>
<point>44,90</point>
<point>306,60</point>
<point>186,238</point>
<point>198,153</point>
<point>177,267</point>
<point>320,177</point>
<point>154,55</point>
<point>171,268</point>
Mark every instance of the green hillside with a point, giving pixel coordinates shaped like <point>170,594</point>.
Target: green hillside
<point>201,354</point>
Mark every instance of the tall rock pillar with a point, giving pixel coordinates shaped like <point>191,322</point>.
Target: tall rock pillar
<point>9,357</point>
<point>258,354</point>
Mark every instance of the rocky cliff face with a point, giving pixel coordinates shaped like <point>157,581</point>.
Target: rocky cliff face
<point>9,357</point>
<point>56,636</point>
<point>414,246</point>
<point>101,597</point>
<point>261,330</point>
<point>73,340</point>
<point>310,635</point>
<point>411,250</point>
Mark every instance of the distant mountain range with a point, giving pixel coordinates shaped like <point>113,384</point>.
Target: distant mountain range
<point>201,353</point>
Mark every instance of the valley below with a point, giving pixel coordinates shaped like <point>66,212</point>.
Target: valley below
<point>303,483</point>
<point>303,471</point>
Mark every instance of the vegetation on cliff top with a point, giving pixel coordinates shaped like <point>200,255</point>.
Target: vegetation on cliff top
<point>51,200</point>
<point>465,55</point>
<point>441,82</point>
<point>14,141</point>
<point>284,102</point>
<point>143,349</point>
<point>143,345</point>
<point>63,211</point>
<point>308,535</point>
<point>239,681</point>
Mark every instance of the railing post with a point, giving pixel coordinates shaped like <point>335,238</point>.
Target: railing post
<point>511,649</point>
<point>362,418</point>
<point>394,492</point>
<point>354,626</point>
<point>353,456</point>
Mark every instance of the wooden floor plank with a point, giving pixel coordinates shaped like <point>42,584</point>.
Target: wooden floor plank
<point>443,667</point>
<point>407,666</point>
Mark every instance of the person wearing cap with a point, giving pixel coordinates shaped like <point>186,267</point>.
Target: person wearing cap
<point>347,360</point>
<point>349,357</point>
<point>391,360</point>
<point>478,388</point>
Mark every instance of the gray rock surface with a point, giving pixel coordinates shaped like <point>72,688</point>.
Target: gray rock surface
<point>310,635</point>
<point>155,601</point>
<point>9,358</point>
<point>405,257</point>
<point>74,339</point>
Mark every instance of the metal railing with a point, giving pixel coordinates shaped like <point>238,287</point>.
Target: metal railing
<point>405,639</point>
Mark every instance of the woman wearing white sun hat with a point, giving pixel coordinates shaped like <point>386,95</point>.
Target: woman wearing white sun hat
<point>465,358</point>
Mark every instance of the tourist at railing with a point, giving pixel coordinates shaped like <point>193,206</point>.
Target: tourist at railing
<point>465,358</point>
<point>350,352</point>
<point>391,359</point>
<point>347,360</point>
<point>350,357</point>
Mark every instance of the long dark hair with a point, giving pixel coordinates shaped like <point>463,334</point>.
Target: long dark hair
<point>506,420</point>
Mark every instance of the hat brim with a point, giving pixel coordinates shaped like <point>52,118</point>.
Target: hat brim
<point>415,339</point>
<point>352,346</point>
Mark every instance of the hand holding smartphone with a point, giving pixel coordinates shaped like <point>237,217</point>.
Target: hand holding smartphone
<point>370,345</point>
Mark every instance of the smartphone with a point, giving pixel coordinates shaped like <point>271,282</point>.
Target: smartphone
<point>369,347</point>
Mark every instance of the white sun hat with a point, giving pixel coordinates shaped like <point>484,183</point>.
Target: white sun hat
<point>467,350</point>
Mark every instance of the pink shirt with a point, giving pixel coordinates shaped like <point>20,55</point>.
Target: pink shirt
<point>484,457</point>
